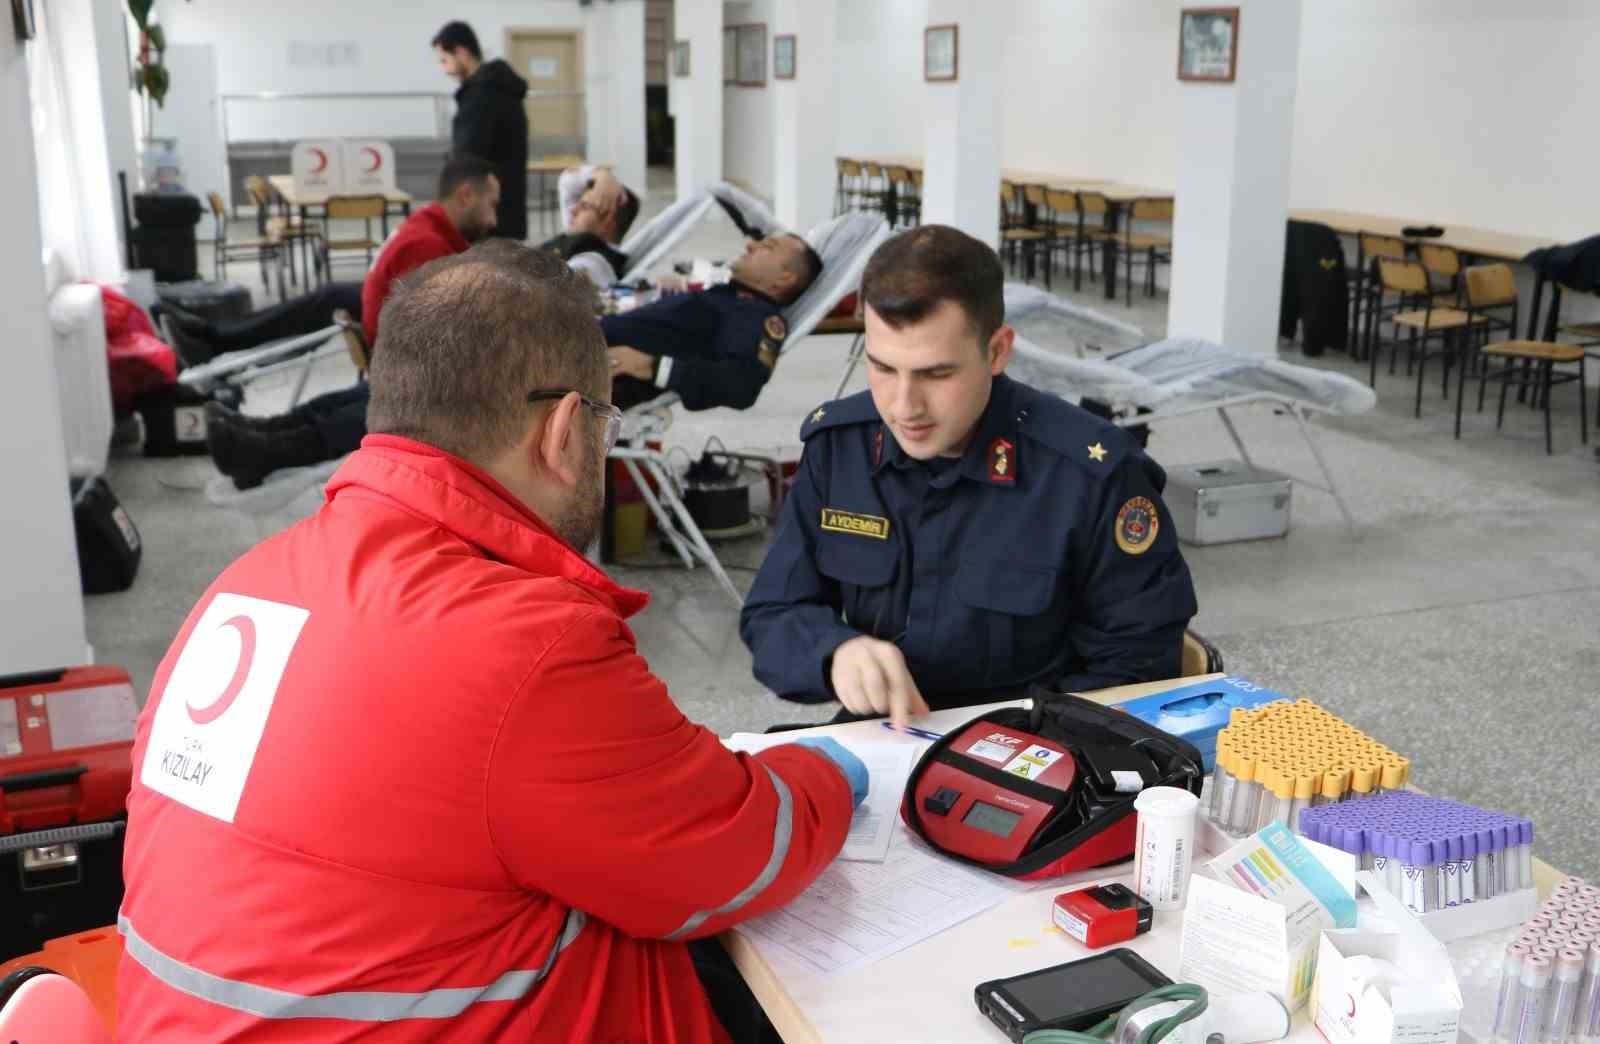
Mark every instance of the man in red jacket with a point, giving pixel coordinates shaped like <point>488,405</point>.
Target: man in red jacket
<point>327,427</point>
<point>403,775</point>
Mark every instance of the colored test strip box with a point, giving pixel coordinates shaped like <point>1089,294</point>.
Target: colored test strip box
<point>1255,916</point>
<point>1198,712</point>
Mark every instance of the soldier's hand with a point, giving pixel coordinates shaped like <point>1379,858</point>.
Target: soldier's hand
<point>870,677</point>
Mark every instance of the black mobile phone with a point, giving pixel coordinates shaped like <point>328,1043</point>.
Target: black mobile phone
<point>1071,996</point>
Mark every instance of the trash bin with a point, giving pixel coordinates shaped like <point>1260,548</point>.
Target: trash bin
<point>164,238</point>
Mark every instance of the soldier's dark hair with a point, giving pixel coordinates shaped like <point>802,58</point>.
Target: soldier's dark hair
<point>626,212</point>
<point>911,273</point>
<point>457,35</point>
<point>805,263</point>
<point>465,338</point>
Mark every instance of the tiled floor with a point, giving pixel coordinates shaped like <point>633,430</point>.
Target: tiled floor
<point>1460,625</point>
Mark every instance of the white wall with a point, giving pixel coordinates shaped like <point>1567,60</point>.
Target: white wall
<point>878,86</point>
<point>253,46</point>
<point>749,113</point>
<point>44,625</point>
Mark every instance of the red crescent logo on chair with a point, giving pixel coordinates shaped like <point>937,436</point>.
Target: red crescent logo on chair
<point>377,160</point>
<point>247,653</point>
<point>322,161</point>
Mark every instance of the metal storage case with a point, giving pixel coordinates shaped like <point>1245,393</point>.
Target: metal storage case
<point>1221,501</point>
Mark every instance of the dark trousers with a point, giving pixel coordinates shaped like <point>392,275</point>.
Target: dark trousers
<point>339,417</point>
<point>294,318</point>
<point>627,392</point>
<point>735,1006</point>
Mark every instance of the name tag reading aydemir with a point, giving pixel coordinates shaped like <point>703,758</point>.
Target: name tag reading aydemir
<point>215,706</point>
<point>837,521</point>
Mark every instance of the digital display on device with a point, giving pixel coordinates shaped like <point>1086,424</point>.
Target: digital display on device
<point>991,818</point>
<point>1071,996</point>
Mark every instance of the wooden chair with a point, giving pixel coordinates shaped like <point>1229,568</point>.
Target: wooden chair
<point>291,229</point>
<point>1364,288</point>
<point>875,189</point>
<point>906,192</point>
<point>849,183</point>
<point>1445,263</point>
<point>1408,281</point>
<point>355,340</point>
<point>1533,364</point>
<point>1017,237</point>
<point>1151,249</point>
<point>1061,228</point>
<point>365,209</point>
<point>1200,656</point>
<point>263,249</point>
<point>1094,230</point>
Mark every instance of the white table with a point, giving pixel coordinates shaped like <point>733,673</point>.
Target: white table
<point>925,993</point>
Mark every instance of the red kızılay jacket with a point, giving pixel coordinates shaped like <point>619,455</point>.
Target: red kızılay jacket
<point>404,777</point>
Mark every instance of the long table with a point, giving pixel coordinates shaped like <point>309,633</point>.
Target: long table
<point>1119,196</point>
<point>292,200</point>
<point>925,993</point>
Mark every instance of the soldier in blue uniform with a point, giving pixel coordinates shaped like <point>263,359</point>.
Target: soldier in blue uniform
<point>717,347</point>
<point>953,533</point>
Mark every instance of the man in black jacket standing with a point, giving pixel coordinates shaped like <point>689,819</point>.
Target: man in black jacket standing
<point>490,120</point>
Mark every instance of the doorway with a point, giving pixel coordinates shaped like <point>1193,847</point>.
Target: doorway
<point>552,63</point>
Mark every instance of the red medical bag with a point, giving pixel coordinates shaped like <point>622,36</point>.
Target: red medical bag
<point>65,769</point>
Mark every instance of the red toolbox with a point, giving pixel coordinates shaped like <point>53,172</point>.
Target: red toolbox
<point>65,768</point>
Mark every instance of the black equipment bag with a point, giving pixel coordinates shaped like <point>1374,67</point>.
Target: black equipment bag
<point>40,902</point>
<point>109,547</point>
<point>175,419</point>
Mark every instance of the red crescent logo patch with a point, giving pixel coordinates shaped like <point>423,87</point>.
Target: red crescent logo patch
<point>247,653</point>
<point>322,161</point>
<point>377,160</point>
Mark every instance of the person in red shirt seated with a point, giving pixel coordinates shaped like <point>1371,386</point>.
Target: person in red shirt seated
<point>403,774</point>
<point>246,448</point>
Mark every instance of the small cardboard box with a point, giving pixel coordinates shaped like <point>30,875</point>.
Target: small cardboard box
<point>1255,917</point>
<point>1422,1006</point>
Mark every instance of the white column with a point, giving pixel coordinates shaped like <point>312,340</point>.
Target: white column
<point>44,625</point>
<point>111,50</point>
<point>1233,187</point>
<point>962,136</point>
<point>803,128</point>
<point>697,98</point>
<point>627,156</point>
<point>73,26</point>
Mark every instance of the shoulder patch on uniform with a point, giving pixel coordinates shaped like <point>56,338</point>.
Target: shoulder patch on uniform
<point>1091,442</point>
<point>857,409</point>
<point>768,354</point>
<point>1138,522</point>
<point>775,327</point>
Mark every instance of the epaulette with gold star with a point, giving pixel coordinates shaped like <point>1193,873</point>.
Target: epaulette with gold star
<point>857,409</point>
<point>1094,443</point>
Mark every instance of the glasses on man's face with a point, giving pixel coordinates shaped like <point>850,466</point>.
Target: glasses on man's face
<point>611,412</point>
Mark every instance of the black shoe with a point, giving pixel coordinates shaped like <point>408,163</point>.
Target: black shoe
<point>264,425</point>
<point>248,456</point>
<point>189,336</point>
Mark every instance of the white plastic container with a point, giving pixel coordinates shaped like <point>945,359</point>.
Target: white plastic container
<point>1164,850</point>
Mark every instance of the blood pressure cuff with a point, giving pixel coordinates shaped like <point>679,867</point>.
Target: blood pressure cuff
<point>1098,824</point>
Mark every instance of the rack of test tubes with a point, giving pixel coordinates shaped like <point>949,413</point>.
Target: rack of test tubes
<point>1550,977</point>
<point>1432,853</point>
<point>1275,760</point>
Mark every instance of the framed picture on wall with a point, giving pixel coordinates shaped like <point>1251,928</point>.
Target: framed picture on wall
<point>783,56</point>
<point>941,52</point>
<point>730,54</point>
<point>1208,44</point>
<point>752,53</point>
<point>680,58</point>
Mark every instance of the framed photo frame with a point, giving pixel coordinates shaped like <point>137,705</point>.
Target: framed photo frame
<point>751,52</point>
<point>22,19</point>
<point>680,58</point>
<point>941,53</point>
<point>783,54</point>
<point>730,54</point>
<point>1208,44</point>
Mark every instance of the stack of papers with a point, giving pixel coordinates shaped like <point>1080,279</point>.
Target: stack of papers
<point>886,892</point>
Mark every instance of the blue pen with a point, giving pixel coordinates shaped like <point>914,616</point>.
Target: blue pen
<point>924,733</point>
